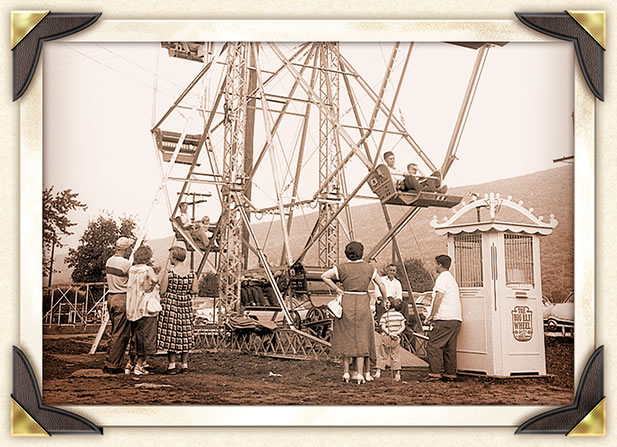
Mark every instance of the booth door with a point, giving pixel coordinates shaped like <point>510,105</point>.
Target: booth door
<point>471,259</point>
<point>520,303</point>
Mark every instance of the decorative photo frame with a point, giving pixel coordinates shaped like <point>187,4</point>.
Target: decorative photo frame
<point>588,360</point>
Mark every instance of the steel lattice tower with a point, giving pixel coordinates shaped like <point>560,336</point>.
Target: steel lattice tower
<point>235,95</point>
<point>328,155</point>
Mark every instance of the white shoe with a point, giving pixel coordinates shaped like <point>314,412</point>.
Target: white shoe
<point>360,379</point>
<point>378,374</point>
<point>140,371</point>
<point>368,377</point>
<point>128,369</point>
<point>397,377</point>
<point>346,377</point>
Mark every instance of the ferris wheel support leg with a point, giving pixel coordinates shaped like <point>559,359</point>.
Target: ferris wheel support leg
<point>404,220</point>
<point>266,266</point>
<point>472,86</point>
<point>399,256</point>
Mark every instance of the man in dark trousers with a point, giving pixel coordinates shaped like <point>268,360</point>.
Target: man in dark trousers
<point>116,270</point>
<point>446,316</point>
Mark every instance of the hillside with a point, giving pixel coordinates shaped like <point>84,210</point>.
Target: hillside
<point>547,192</point>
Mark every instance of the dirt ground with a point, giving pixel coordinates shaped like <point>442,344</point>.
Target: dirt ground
<point>73,377</point>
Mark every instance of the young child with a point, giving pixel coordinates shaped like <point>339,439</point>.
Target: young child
<point>412,169</point>
<point>142,287</point>
<point>392,324</point>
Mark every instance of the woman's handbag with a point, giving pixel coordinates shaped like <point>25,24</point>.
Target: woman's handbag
<point>153,305</point>
<point>335,306</point>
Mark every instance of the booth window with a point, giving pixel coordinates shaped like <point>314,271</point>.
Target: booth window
<point>468,260</point>
<point>519,259</point>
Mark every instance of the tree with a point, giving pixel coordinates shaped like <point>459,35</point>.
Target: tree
<point>208,285</point>
<point>96,245</point>
<point>419,277</point>
<point>56,223</point>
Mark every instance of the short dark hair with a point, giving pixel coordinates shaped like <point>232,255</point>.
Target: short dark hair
<point>143,255</point>
<point>397,305</point>
<point>444,260</point>
<point>178,253</point>
<point>391,265</point>
<point>354,250</point>
<point>387,154</point>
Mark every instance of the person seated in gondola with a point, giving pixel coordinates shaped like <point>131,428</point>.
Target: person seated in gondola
<point>398,177</point>
<point>197,230</point>
<point>415,180</point>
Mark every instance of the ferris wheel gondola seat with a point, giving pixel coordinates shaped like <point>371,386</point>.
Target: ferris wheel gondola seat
<point>382,184</point>
<point>167,141</point>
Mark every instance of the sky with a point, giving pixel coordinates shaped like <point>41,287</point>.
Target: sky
<point>102,99</point>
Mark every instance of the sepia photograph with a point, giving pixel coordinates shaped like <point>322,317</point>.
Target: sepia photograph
<point>308,223</point>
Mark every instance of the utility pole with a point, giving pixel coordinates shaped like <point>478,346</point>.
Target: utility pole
<point>51,260</point>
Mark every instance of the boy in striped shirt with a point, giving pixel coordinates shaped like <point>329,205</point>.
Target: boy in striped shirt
<point>392,325</point>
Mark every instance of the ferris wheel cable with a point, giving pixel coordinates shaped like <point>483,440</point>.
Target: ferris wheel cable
<point>155,146</point>
<point>465,108</point>
<point>394,100</point>
<point>278,121</point>
<point>280,69</point>
<point>292,176</point>
<point>323,108</point>
<point>379,100</point>
<point>305,124</point>
<point>357,114</point>
<point>188,89</point>
<point>140,66</point>
<point>341,166</point>
<point>288,172</point>
<point>367,88</point>
<point>273,160</point>
<point>268,270</point>
<point>391,86</point>
<point>313,238</point>
<point>267,238</point>
<point>116,70</point>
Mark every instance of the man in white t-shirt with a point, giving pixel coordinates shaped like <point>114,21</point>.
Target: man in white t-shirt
<point>446,316</point>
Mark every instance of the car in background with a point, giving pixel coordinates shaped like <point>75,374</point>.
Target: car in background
<point>424,304</point>
<point>559,317</point>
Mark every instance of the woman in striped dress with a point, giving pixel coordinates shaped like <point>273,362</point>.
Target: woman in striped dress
<point>353,335</point>
<point>175,328</point>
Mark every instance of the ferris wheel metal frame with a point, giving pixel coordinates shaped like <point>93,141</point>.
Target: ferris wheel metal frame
<point>321,76</point>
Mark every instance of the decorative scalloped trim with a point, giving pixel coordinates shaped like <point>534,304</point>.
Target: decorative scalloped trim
<point>494,203</point>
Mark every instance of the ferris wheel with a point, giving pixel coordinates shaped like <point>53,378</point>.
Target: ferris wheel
<point>267,130</point>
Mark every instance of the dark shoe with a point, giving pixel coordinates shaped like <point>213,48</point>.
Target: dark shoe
<point>433,378</point>
<point>108,370</point>
<point>183,370</point>
<point>448,378</point>
<point>171,371</point>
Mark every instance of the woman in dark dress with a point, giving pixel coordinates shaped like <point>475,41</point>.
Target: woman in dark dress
<point>175,327</point>
<point>353,335</point>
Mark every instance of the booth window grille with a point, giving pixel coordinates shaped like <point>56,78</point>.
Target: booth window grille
<point>519,259</point>
<point>468,260</point>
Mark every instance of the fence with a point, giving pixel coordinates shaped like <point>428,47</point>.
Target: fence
<point>75,304</point>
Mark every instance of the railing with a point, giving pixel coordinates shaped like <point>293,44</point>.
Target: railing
<point>75,304</point>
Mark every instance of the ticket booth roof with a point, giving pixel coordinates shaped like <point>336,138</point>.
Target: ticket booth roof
<point>494,213</point>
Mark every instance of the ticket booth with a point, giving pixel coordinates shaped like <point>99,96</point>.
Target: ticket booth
<point>495,251</point>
